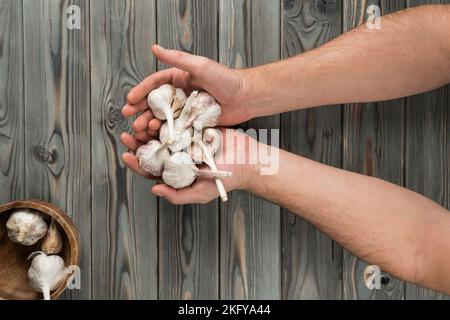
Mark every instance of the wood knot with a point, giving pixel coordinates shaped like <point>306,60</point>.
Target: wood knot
<point>42,154</point>
<point>288,4</point>
<point>115,118</point>
<point>385,279</point>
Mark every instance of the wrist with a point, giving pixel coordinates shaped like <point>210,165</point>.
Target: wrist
<point>247,92</point>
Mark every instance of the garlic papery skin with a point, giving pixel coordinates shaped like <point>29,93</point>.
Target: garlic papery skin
<point>26,227</point>
<point>209,160</point>
<point>166,103</point>
<point>211,138</point>
<point>180,171</point>
<point>52,242</point>
<point>204,110</point>
<point>151,157</point>
<point>182,138</point>
<point>46,273</point>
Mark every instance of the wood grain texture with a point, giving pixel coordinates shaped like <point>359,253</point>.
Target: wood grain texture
<point>250,227</point>
<point>57,143</point>
<point>12,170</point>
<point>372,145</point>
<point>426,160</point>
<point>311,262</point>
<point>189,235</point>
<point>124,232</point>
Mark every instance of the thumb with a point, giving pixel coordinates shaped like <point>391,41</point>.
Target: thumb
<point>179,59</point>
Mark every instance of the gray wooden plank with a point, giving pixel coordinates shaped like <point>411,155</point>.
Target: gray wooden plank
<point>250,227</point>
<point>189,235</point>
<point>425,157</point>
<point>57,143</point>
<point>311,262</point>
<point>12,169</point>
<point>124,230</point>
<point>373,145</point>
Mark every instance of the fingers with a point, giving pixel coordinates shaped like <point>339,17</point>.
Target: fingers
<point>191,194</point>
<point>141,122</point>
<point>130,142</point>
<point>140,92</point>
<point>142,136</point>
<point>154,124</point>
<point>177,197</point>
<point>179,59</point>
<point>130,110</point>
<point>131,162</point>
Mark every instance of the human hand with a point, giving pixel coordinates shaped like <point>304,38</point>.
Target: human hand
<point>190,73</point>
<point>203,190</point>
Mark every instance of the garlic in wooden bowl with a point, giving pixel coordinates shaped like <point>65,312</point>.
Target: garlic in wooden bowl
<point>14,266</point>
<point>46,272</point>
<point>26,227</point>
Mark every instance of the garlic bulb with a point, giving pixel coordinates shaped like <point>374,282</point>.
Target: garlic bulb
<point>26,227</point>
<point>212,141</point>
<point>46,273</point>
<point>166,103</point>
<point>52,242</point>
<point>151,157</point>
<point>180,171</point>
<point>182,139</point>
<point>204,110</point>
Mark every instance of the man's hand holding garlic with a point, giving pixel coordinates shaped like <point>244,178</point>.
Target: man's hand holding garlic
<point>345,205</point>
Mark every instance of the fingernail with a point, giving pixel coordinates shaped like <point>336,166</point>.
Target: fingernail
<point>159,47</point>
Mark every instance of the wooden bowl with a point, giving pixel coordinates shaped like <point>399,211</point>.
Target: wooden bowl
<point>14,266</point>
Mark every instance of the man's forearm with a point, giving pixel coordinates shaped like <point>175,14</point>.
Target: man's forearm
<point>410,54</point>
<point>403,232</point>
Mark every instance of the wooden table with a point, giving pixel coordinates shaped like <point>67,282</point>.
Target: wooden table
<point>60,98</point>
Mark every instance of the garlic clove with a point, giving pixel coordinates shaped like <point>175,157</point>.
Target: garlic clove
<point>46,273</point>
<point>26,227</point>
<point>52,242</point>
<point>178,101</point>
<point>151,157</point>
<point>212,138</point>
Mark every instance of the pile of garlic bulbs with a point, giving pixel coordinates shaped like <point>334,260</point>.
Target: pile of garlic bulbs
<point>28,227</point>
<point>187,137</point>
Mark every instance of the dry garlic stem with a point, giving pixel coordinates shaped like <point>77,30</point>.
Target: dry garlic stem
<point>151,157</point>
<point>46,273</point>
<point>52,242</point>
<point>166,103</point>
<point>180,171</point>
<point>26,227</point>
<point>209,160</point>
<point>212,140</point>
<point>182,139</point>
<point>204,110</point>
